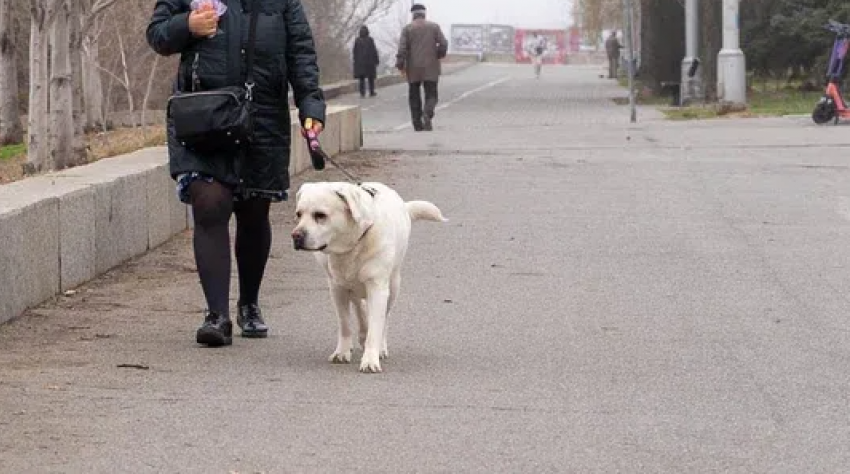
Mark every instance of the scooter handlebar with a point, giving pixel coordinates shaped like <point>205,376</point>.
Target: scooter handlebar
<point>838,28</point>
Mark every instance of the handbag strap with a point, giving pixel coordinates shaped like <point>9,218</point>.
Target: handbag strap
<point>249,55</point>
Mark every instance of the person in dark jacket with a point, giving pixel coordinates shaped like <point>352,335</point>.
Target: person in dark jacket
<point>421,47</point>
<point>612,48</point>
<point>220,184</point>
<point>366,59</point>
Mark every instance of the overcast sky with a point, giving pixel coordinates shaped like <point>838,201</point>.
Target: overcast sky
<point>541,14</point>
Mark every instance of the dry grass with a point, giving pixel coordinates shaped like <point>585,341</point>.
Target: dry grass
<point>123,141</point>
<point>100,145</point>
<point>760,104</point>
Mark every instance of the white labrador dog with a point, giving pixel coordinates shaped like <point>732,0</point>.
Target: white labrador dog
<point>359,234</point>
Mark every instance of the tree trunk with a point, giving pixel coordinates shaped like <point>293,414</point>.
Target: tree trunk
<point>61,90</point>
<point>126,83</point>
<point>662,42</point>
<point>147,95</point>
<point>711,40</point>
<point>109,101</point>
<point>78,154</point>
<point>92,84</point>
<point>38,151</point>
<point>11,128</point>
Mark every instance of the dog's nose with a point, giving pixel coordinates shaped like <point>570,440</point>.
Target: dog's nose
<point>298,240</point>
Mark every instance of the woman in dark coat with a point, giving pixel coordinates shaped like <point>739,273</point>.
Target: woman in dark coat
<point>365,61</point>
<point>244,183</point>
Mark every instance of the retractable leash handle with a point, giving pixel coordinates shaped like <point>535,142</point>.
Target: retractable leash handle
<point>317,155</point>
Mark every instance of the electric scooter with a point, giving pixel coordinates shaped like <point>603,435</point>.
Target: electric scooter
<point>832,106</point>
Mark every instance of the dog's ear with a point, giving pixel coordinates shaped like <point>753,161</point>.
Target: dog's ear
<point>359,203</point>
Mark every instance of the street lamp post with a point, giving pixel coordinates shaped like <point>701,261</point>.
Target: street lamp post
<point>630,57</point>
<point>691,85</point>
<point>731,64</point>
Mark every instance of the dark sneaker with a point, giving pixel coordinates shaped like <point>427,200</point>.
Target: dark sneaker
<point>250,320</point>
<point>417,126</point>
<point>426,123</point>
<point>216,331</point>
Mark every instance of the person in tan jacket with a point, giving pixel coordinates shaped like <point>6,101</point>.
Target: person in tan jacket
<point>421,47</point>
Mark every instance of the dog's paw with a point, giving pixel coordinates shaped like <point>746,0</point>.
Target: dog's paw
<point>370,364</point>
<point>340,357</point>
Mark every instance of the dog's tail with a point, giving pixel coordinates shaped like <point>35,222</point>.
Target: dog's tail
<point>424,210</point>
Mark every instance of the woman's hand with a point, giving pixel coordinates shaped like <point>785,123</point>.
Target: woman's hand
<point>314,126</point>
<point>203,22</point>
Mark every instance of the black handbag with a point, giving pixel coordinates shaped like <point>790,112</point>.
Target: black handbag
<point>218,119</point>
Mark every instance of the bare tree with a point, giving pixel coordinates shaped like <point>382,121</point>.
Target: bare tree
<point>86,57</point>
<point>148,95</point>
<point>11,129</point>
<point>129,73</point>
<point>335,23</point>
<point>61,103</point>
<point>390,36</point>
<point>92,85</point>
<point>54,138</point>
<point>597,15</point>
<point>38,151</point>
<point>78,154</point>
<point>343,18</point>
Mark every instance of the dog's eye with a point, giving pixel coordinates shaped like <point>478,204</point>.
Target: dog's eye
<point>319,216</point>
<point>298,214</point>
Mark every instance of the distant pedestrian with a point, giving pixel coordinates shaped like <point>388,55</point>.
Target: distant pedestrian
<point>537,51</point>
<point>421,47</point>
<point>366,60</point>
<point>612,48</point>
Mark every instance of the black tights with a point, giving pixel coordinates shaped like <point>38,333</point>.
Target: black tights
<point>212,206</point>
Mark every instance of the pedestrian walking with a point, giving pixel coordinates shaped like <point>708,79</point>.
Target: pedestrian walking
<point>366,60</point>
<point>612,48</point>
<point>213,43</point>
<point>538,48</point>
<point>421,47</point>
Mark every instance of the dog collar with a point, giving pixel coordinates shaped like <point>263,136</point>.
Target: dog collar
<point>362,236</point>
<point>372,192</point>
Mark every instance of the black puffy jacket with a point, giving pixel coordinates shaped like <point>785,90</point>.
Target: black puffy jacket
<point>365,55</point>
<point>285,55</point>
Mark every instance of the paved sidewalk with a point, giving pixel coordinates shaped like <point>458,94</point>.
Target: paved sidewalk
<point>607,297</point>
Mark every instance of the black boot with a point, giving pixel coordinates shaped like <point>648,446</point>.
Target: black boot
<point>250,319</point>
<point>216,331</point>
<point>426,123</point>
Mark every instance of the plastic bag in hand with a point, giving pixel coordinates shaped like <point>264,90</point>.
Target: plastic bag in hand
<point>219,7</point>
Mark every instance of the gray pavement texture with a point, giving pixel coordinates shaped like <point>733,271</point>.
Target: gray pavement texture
<point>607,297</point>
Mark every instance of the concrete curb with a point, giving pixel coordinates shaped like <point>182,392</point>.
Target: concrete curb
<point>63,229</point>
